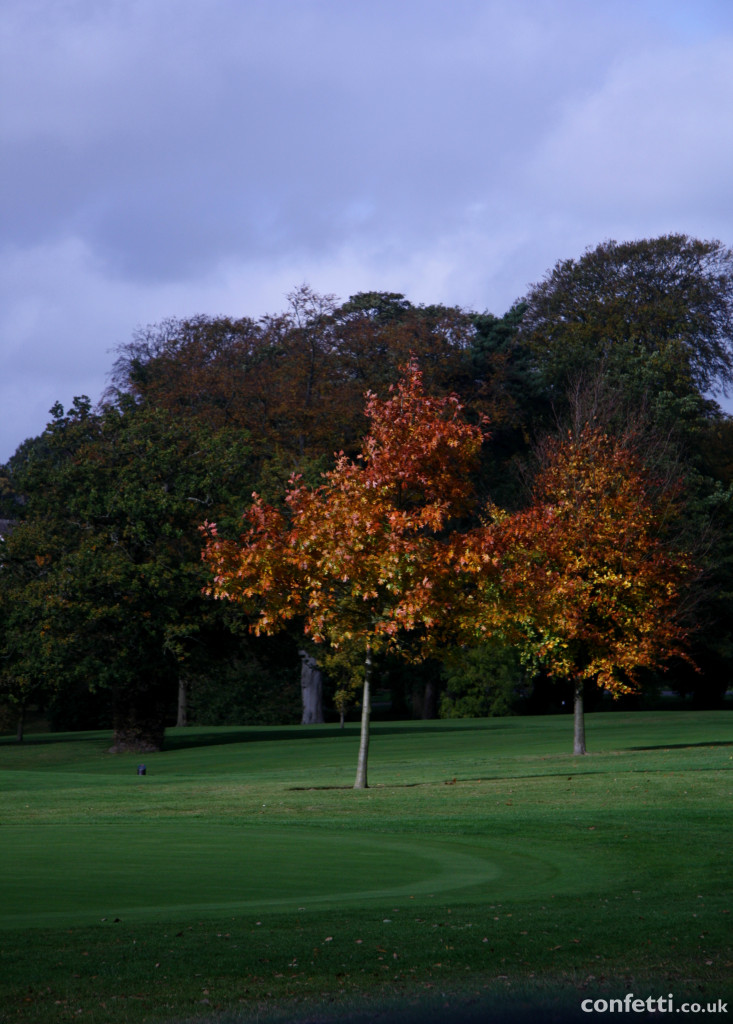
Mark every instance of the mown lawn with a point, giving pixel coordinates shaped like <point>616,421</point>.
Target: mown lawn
<point>486,870</point>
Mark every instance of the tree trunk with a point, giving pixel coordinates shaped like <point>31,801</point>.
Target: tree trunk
<point>361,767</point>
<point>430,700</point>
<point>311,689</point>
<point>182,718</point>
<point>578,718</point>
<point>425,699</point>
<point>21,725</point>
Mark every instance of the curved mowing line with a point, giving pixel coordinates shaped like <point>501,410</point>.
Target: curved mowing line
<point>64,874</point>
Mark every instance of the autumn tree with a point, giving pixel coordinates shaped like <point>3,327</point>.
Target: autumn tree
<point>363,560</point>
<point>295,379</point>
<point>376,333</point>
<point>640,335</point>
<point>588,586</point>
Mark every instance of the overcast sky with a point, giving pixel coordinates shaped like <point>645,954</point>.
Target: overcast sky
<point>169,157</point>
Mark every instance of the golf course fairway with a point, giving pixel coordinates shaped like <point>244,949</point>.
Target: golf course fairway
<point>148,876</point>
<point>242,878</point>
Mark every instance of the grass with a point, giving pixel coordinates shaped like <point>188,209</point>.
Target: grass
<point>486,869</point>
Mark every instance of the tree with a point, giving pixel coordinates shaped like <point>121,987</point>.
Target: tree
<point>295,379</point>
<point>363,559</point>
<point>374,334</point>
<point>640,334</point>
<point>669,297</point>
<point>311,686</point>
<point>18,688</point>
<point>513,394</point>
<point>103,570</point>
<point>588,586</point>
<point>485,681</point>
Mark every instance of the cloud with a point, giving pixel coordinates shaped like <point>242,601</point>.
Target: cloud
<point>652,143</point>
<point>175,157</point>
<point>173,134</point>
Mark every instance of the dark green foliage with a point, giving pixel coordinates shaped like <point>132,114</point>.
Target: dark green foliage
<point>259,684</point>
<point>381,307</point>
<point>483,682</point>
<point>102,575</point>
<point>514,397</point>
<point>669,297</point>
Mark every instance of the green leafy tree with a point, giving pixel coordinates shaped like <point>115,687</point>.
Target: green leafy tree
<point>104,567</point>
<point>482,682</point>
<point>669,297</point>
<point>19,688</point>
<point>514,396</point>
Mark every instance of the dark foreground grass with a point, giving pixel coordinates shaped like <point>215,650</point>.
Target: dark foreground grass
<point>486,875</point>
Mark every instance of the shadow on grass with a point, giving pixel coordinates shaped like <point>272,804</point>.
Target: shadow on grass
<point>101,737</point>
<point>686,746</point>
<point>200,736</point>
<point>267,734</point>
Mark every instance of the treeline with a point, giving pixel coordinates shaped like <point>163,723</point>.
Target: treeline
<point>102,616</point>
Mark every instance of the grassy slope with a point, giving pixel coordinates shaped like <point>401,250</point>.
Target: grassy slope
<point>242,872</point>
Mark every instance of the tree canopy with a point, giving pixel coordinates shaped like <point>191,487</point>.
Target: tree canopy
<point>103,573</point>
<point>361,558</point>
<point>589,584</point>
<point>670,298</point>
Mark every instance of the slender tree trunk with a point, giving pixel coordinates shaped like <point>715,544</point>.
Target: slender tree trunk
<point>311,689</point>
<point>21,725</point>
<point>361,768</point>
<point>578,718</point>
<point>182,718</point>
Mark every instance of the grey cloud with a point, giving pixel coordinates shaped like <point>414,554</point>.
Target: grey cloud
<point>168,143</point>
<point>176,157</point>
<point>653,138</point>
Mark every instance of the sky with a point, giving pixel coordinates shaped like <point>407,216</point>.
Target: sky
<point>167,158</point>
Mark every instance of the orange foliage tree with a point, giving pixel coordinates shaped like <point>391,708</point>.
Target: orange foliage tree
<point>364,558</point>
<point>586,585</point>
